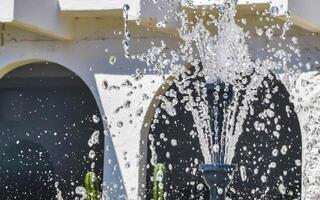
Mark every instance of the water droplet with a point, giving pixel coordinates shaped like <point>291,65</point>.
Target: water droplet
<point>92,154</point>
<point>105,84</point>
<point>275,152</point>
<point>139,112</point>
<point>263,179</point>
<point>284,150</point>
<point>95,119</point>
<point>81,191</point>
<point>59,193</point>
<point>161,24</point>
<point>294,40</point>
<point>94,139</point>
<point>272,165</point>
<point>244,21</point>
<point>120,124</point>
<point>282,189</point>
<point>274,11</point>
<point>276,134</point>
<point>112,60</point>
<point>298,163</point>
<point>126,7</point>
<point>243,173</point>
<point>259,31</point>
<point>269,33</point>
<point>168,154</point>
<point>127,104</point>
<point>170,109</point>
<point>174,142</point>
<point>287,14</point>
<point>200,186</point>
<point>127,165</point>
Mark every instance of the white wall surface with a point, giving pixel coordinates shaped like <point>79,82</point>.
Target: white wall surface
<point>6,10</point>
<point>306,100</point>
<point>126,138</point>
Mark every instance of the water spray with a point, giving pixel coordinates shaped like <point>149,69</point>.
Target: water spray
<point>218,175</point>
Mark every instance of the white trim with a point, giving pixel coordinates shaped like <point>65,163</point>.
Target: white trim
<point>96,6</point>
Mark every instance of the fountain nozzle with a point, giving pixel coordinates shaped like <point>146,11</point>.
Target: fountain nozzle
<point>217,177</point>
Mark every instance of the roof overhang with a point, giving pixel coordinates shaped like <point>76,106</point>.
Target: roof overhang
<point>99,8</point>
<point>40,16</point>
<point>54,17</point>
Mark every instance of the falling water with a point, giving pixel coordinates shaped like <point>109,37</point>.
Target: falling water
<point>59,193</point>
<point>225,57</point>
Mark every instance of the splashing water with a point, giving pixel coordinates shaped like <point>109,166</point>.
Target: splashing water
<point>225,58</point>
<point>94,139</point>
<point>82,192</point>
<point>59,193</point>
<point>126,40</point>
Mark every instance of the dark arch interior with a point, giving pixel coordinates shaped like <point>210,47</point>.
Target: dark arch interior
<point>254,151</point>
<point>181,182</point>
<point>45,123</point>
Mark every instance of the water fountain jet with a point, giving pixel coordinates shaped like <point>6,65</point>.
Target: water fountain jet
<point>218,175</point>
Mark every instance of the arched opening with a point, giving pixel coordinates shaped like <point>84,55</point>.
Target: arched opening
<point>269,156</point>
<point>46,120</point>
<point>178,148</point>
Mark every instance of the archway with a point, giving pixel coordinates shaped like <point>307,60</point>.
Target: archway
<point>46,120</point>
<point>269,157</point>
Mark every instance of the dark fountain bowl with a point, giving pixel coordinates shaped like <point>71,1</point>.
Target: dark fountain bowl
<point>217,177</point>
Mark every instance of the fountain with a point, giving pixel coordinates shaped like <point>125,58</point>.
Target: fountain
<point>220,58</point>
<point>257,134</point>
<point>218,175</point>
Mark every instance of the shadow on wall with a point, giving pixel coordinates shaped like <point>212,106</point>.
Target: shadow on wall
<point>267,156</point>
<point>45,124</point>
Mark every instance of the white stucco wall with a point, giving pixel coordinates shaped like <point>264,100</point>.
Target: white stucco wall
<point>125,126</point>
<point>306,99</point>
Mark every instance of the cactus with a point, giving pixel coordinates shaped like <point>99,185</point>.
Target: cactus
<point>91,184</point>
<point>159,175</point>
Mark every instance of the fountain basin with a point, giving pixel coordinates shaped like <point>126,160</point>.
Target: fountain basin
<point>217,177</point>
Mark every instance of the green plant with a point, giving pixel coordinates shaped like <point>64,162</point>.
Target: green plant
<point>159,175</point>
<point>91,184</point>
